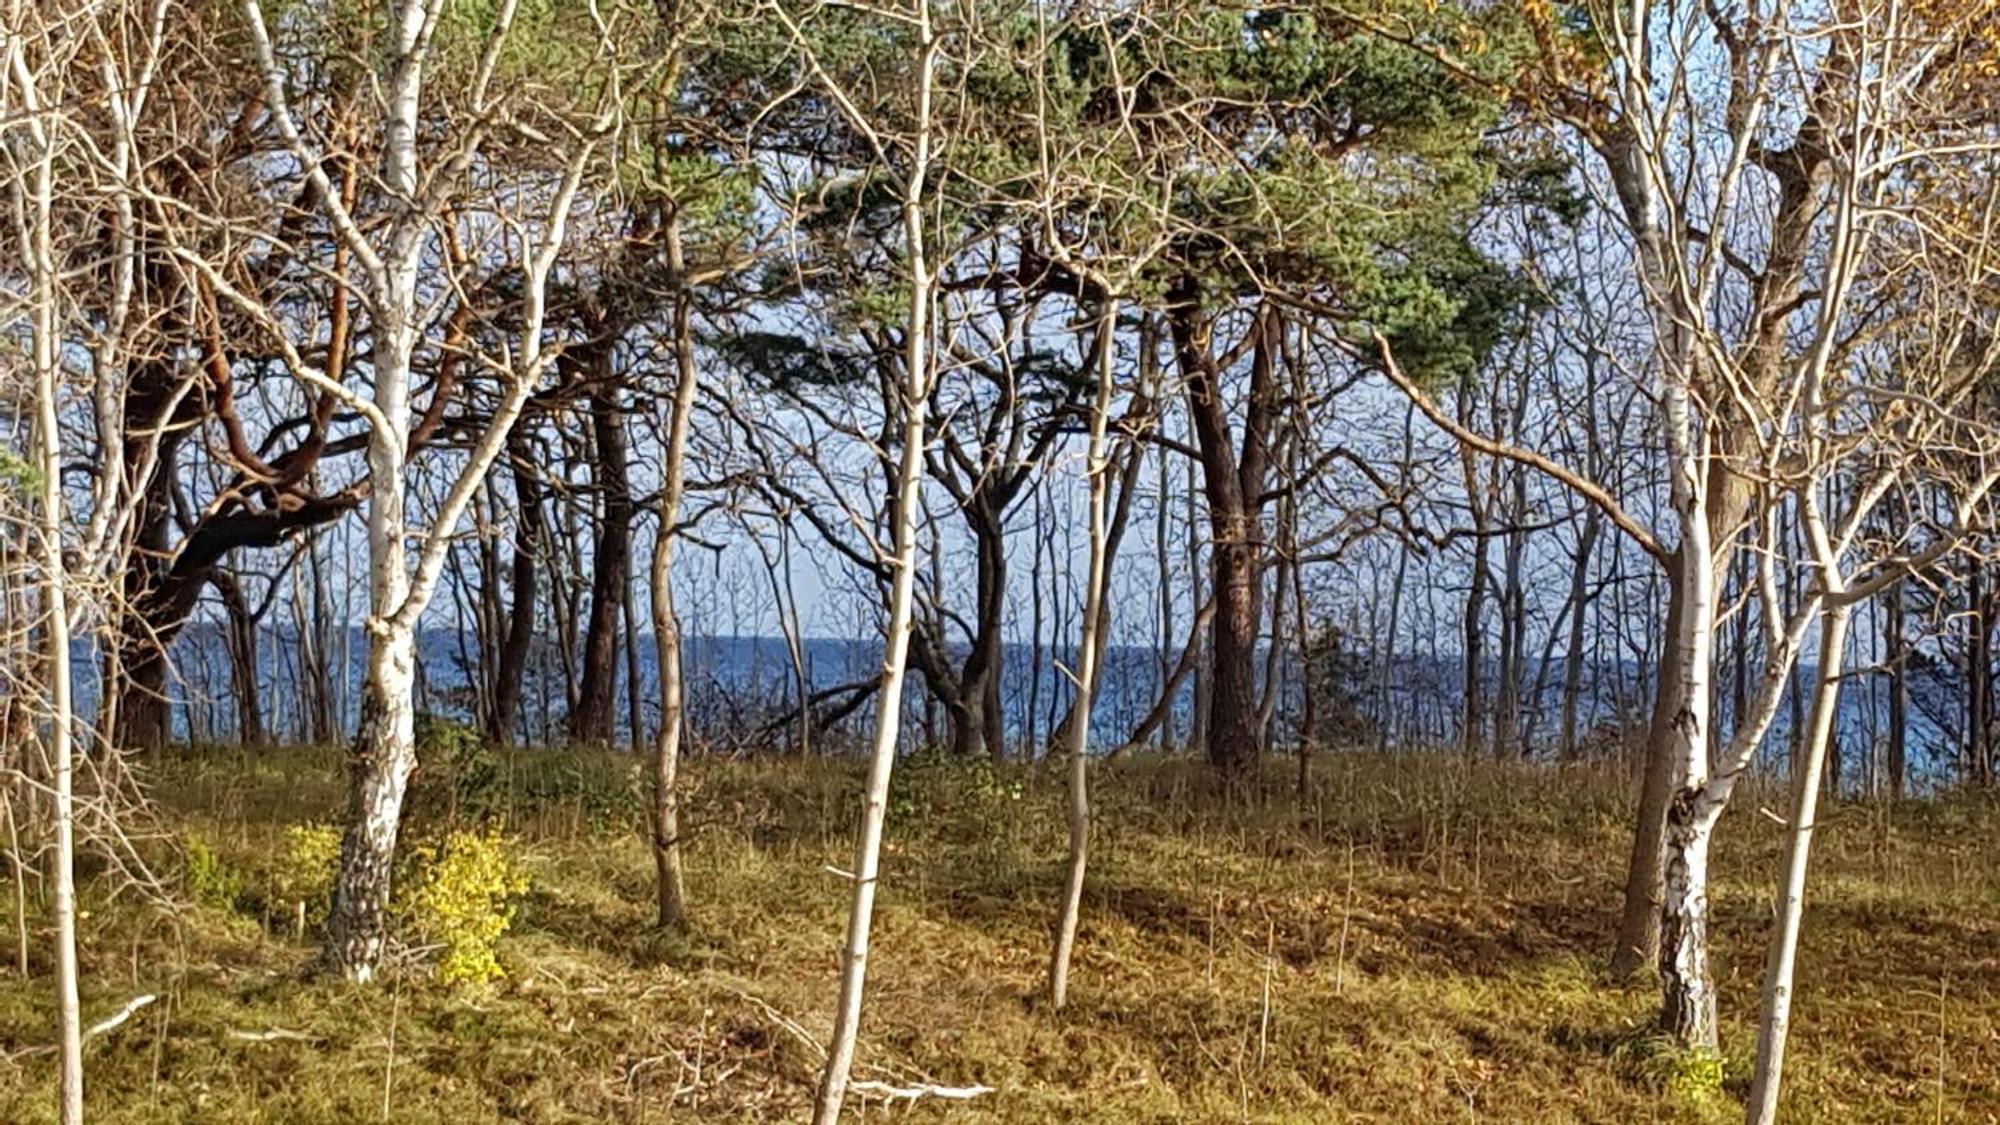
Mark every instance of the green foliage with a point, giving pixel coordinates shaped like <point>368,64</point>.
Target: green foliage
<point>600,789</point>
<point>17,474</point>
<point>463,897</point>
<point>933,784</point>
<point>1693,1076</point>
<point>460,778</point>
<point>1223,152</point>
<point>301,877</point>
<point>210,881</point>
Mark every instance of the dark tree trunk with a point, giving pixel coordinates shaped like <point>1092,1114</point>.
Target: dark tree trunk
<point>1233,737</point>
<point>1234,484</point>
<point>144,711</point>
<point>611,571</point>
<point>1979,680</point>
<point>146,628</point>
<point>1472,726</point>
<point>316,658</point>
<point>977,723</point>
<point>520,633</point>
<point>1639,923</point>
<point>1579,606</point>
<point>241,641</point>
<point>1979,677</point>
<point>1899,691</point>
<point>1472,647</point>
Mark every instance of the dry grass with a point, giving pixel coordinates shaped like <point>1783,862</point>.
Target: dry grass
<point>1417,941</point>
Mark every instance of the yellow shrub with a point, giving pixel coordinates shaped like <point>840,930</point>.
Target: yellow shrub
<point>209,880</point>
<point>463,899</point>
<point>302,879</point>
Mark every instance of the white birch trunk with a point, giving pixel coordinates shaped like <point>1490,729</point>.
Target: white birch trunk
<point>1097,466</point>
<point>383,756</point>
<point>1762,1107</point>
<point>665,819</point>
<point>384,751</point>
<point>55,600</point>
<point>1687,1010</point>
<point>896,644</point>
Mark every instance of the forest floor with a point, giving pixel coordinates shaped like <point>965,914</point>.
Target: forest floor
<point>1418,940</point>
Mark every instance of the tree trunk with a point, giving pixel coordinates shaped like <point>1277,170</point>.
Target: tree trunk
<point>591,722</point>
<point>1579,606</point>
<point>154,402</point>
<point>1234,485</point>
<point>977,723</point>
<point>1162,566</point>
<point>1472,648</point>
<point>1098,465</point>
<point>1114,535</point>
<point>670,885</point>
<point>1899,692</point>
<point>1776,1018</point>
<point>241,638</point>
<point>1197,735</point>
<point>317,659</point>
<point>1274,647</point>
<point>520,633</point>
<point>379,767</point>
<point>1979,680</point>
<point>1638,943</point>
<point>384,750</point>
<point>635,712</point>
<point>914,393</point>
<point>145,714</point>
<point>1233,742</point>
<point>53,582</point>
<point>1687,1011</point>
<point>1508,740</point>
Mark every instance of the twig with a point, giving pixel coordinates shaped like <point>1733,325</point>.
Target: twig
<point>111,1022</point>
<point>911,1093</point>
<point>1264,1015</point>
<point>785,1023</point>
<point>272,1035</point>
<point>389,1067</point>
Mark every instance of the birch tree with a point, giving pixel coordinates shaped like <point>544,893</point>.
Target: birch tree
<point>390,258</point>
<point>1097,466</point>
<point>903,153</point>
<point>1736,378</point>
<point>31,93</point>
<point>1899,416</point>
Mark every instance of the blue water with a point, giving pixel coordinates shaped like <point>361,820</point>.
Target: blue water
<point>742,691</point>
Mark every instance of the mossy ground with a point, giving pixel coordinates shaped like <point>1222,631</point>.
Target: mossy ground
<point>1418,940</point>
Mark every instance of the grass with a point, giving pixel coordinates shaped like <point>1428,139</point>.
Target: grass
<point>1419,939</point>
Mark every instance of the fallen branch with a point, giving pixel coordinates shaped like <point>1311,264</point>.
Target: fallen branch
<point>785,1023</point>
<point>888,1092</point>
<point>108,1023</point>
<point>111,1022</point>
<point>272,1035</point>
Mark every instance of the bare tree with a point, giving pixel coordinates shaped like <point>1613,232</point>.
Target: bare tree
<point>904,153</point>
<point>390,257</point>
<point>33,89</point>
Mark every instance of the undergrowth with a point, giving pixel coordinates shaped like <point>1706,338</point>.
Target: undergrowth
<point>1414,939</point>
